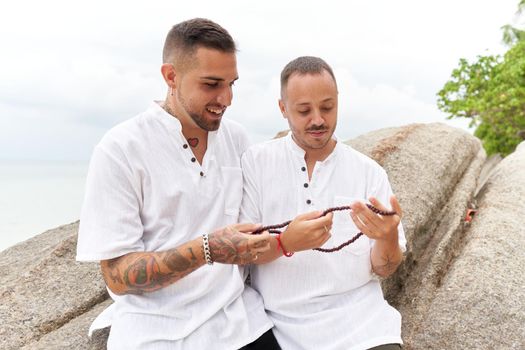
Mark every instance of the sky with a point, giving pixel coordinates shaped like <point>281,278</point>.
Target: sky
<point>70,70</point>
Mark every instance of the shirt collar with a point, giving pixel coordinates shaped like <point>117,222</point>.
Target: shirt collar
<point>296,149</point>
<point>169,121</point>
<point>173,124</point>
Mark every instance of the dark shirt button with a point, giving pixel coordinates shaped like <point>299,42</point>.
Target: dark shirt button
<point>193,159</point>
<point>305,185</point>
<point>185,145</point>
<point>308,201</point>
<point>303,168</point>
<point>202,174</point>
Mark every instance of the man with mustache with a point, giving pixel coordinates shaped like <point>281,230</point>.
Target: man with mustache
<point>322,300</point>
<point>161,210</point>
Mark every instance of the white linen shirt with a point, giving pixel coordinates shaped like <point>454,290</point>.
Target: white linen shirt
<point>146,192</point>
<point>319,300</point>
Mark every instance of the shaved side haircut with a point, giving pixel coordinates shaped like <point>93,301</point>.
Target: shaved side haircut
<point>185,38</point>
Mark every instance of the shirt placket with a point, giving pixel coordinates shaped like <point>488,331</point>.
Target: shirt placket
<point>208,159</point>
<point>308,188</point>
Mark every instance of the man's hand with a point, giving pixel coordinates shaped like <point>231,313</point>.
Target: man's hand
<point>307,231</point>
<point>386,254</point>
<point>375,226</point>
<point>234,245</point>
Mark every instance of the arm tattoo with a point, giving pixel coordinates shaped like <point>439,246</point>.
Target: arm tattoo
<point>141,273</point>
<point>386,269</point>
<point>177,262</point>
<point>137,273</point>
<point>113,273</point>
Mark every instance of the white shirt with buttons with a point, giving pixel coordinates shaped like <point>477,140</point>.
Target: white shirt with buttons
<point>146,192</point>
<point>319,300</point>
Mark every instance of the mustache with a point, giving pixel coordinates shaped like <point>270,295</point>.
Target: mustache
<point>317,128</point>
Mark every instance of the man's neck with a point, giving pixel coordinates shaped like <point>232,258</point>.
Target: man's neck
<point>313,156</point>
<point>196,137</point>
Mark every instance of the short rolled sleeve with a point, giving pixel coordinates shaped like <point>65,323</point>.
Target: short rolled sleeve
<point>110,224</point>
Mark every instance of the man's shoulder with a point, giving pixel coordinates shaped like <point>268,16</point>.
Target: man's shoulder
<point>233,129</point>
<point>355,157</point>
<point>127,132</point>
<point>271,147</point>
<point>234,136</point>
<point>231,125</point>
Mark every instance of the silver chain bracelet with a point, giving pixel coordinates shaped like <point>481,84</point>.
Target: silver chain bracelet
<point>206,247</point>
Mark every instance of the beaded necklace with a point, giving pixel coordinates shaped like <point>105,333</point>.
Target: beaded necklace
<point>273,228</point>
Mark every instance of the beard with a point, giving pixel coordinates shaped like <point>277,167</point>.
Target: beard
<point>199,118</point>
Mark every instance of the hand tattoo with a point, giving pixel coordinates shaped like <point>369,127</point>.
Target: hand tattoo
<point>230,247</point>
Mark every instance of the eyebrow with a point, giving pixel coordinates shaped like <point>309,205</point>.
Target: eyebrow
<point>216,78</point>
<point>308,103</point>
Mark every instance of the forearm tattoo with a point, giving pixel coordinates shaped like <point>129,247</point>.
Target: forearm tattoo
<point>387,267</point>
<point>137,273</point>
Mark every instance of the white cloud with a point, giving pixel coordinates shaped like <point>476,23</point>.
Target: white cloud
<point>71,70</point>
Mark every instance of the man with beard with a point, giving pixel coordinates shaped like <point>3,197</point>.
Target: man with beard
<point>320,300</point>
<point>161,206</point>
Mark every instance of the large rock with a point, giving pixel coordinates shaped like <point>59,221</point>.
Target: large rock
<point>42,288</point>
<point>73,335</point>
<point>47,300</point>
<point>481,303</point>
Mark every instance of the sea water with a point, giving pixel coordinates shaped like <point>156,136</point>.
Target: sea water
<point>36,196</point>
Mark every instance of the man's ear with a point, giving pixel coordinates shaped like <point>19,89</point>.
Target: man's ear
<point>282,108</point>
<point>168,73</point>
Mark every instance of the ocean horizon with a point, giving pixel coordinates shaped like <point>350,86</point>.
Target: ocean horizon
<point>36,196</point>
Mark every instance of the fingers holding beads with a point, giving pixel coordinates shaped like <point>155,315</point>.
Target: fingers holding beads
<point>360,224</point>
<point>384,211</point>
<point>390,220</point>
<point>307,231</point>
<point>376,221</point>
<point>324,223</point>
<point>232,246</point>
<point>396,206</point>
<point>324,239</point>
<point>363,215</point>
<point>259,243</point>
<point>255,245</point>
<point>321,229</point>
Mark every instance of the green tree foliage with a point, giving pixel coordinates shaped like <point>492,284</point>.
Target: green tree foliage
<point>491,92</point>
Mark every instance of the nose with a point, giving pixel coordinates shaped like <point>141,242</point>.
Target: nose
<point>225,97</point>
<point>317,118</point>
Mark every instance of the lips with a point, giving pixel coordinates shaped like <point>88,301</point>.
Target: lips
<point>216,110</point>
<point>317,133</point>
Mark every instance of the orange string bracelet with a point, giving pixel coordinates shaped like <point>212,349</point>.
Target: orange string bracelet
<point>281,247</point>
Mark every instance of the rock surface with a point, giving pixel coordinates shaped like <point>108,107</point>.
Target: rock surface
<point>43,288</point>
<point>481,303</point>
<point>460,286</point>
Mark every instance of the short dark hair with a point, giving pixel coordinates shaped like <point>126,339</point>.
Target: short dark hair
<point>186,37</point>
<point>304,65</point>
